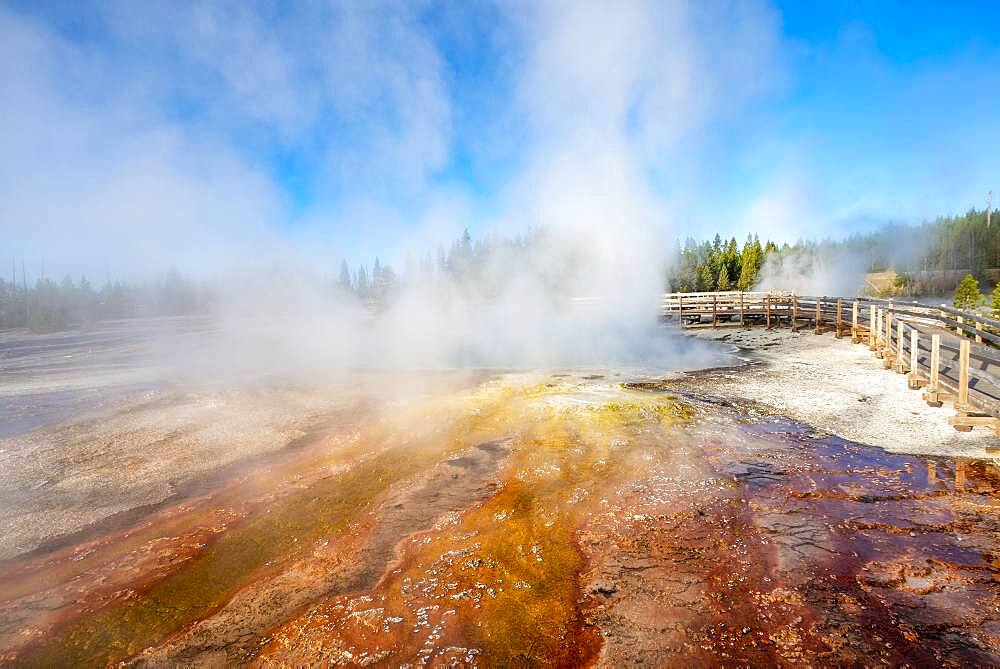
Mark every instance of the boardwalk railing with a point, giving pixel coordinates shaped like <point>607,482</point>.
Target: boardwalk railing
<point>950,353</point>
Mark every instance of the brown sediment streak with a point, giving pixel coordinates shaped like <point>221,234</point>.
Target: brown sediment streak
<point>357,561</point>
<point>455,596</point>
<point>285,528</point>
<point>502,584</point>
<point>66,557</point>
<point>42,593</point>
<point>722,557</point>
<point>614,526</point>
<point>475,589</point>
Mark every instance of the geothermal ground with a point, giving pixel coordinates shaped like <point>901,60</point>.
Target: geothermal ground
<point>562,517</point>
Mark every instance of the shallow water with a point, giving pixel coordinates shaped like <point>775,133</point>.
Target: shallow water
<point>558,519</point>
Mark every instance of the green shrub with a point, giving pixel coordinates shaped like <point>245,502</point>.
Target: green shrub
<point>967,295</point>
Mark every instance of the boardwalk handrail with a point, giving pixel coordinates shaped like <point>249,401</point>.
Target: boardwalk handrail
<point>690,301</point>
<point>941,347</point>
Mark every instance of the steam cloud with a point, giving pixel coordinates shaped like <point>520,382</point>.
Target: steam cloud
<point>600,99</point>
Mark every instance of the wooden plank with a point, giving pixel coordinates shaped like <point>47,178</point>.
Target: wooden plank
<point>966,423</point>
<point>888,332</point>
<point>933,384</point>
<point>840,305</point>
<point>795,312</point>
<point>819,315</point>
<point>879,330</point>
<point>914,381</point>
<point>768,317</point>
<point>972,421</point>
<point>900,359</point>
<point>854,322</point>
<point>872,327</point>
<point>945,309</point>
<point>963,372</point>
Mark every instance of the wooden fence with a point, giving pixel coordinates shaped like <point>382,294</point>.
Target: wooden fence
<point>952,354</point>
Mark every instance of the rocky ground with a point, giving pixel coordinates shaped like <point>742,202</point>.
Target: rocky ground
<point>570,517</point>
<point>835,386</point>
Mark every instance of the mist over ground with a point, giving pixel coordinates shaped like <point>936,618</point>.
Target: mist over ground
<point>594,97</point>
<point>236,141</point>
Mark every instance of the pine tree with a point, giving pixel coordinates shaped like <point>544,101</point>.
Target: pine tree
<point>751,260</point>
<point>967,295</point>
<point>442,263</point>
<point>386,281</point>
<point>361,283</point>
<point>708,276</point>
<point>345,276</point>
<point>731,261</point>
<point>724,283</point>
<point>717,244</point>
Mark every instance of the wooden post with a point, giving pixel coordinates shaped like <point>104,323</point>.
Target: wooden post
<point>795,311</point>
<point>979,329</point>
<point>840,305</point>
<point>933,395</point>
<point>935,361</point>
<point>741,308</point>
<point>880,336</point>
<point>958,328</point>
<point>871,327</point>
<point>888,332</point>
<point>899,346</point>
<point>680,310</point>
<point>767,310</point>
<point>854,322</point>
<point>963,375</point>
<point>914,380</point>
<point>715,309</point>
<point>819,315</point>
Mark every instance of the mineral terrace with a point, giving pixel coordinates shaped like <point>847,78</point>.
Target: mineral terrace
<point>559,517</point>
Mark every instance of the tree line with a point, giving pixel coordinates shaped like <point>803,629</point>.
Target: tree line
<point>966,244</point>
<point>47,305</point>
<point>930,257</point>
<point>372,287</point>
<point>483,264</point>
<point>718,264</point>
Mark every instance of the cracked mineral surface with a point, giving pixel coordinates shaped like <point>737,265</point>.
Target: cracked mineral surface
<point>573,517</point>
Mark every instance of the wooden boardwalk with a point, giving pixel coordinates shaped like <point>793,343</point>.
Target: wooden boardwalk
<point>952,355</point>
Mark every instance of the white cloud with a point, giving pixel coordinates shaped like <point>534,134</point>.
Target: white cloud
<point>152,145</point>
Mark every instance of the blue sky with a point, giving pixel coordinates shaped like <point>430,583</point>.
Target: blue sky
<point>143,134</point>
